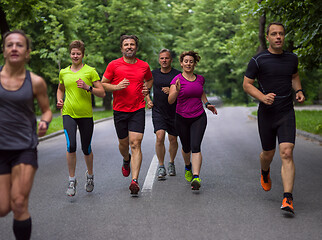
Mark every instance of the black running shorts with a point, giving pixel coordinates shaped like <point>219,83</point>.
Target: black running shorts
<point>276,124</point>
<point>11,158</point>
<point>126,122</point>
<point>161,123</point>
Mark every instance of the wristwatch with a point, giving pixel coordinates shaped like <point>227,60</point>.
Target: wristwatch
<point>90,89</point>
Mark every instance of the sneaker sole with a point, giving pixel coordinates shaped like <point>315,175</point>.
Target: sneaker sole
<point>287,209</point>
<point>161,178</point>
<point>195,185</point>
<point>134,189</point>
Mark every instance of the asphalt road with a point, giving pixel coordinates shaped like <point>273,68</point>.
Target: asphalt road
<point>229,205</point>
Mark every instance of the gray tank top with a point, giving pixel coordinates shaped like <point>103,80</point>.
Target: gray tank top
<point>18,125</point>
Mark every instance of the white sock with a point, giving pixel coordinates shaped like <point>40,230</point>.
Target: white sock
<point>72,178</point>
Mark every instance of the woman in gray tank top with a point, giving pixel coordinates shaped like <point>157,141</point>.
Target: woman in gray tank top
<point>18,130</point>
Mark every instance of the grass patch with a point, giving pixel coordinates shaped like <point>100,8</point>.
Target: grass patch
<point>307,120</point>
<point>57,122</point>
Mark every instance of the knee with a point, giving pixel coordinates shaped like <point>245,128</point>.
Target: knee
<point>173,141</point>
<point>19,205</point>
<point>71,148</point>
<point>267,155</point>
<point>286,154</point>
<point>87,151</point>
<point>159,140</point>
<point>4,210</point>
<point>135,145</point>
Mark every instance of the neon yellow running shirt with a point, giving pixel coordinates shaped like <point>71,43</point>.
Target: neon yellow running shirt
<point>78,102</point>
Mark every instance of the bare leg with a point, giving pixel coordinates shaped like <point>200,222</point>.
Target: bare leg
<point>196,160</point>
<point>136,159</point>
<point>89,163</point>
<point>124,148</point>
<point>288,166</point>
<point>173,147</point>
<point>266,158</point>
<point>159,146</point>
<point>5,186</point>
<point>22,180</point>
<point>71,162</point>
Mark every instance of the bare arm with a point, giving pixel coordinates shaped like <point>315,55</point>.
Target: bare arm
<point>249,88</point>
<point>39,88</point>
<point>174,91</point>
<point>60,96</point>
<point>97,90</point>
<point>296,84</point>
<point>149,101</point>
<point>106,83</point>
<point>209,106</point>
<point>147,86</point>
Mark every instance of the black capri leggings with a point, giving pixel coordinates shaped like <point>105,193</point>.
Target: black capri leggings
<point>86,127</point>
<point>191,131</point>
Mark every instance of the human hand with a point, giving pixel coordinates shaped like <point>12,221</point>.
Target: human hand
<point>42,128</point>
<point>82,84</point>
<point>300,97</point>
<point>150,104</point>
<point>60,104</point>
<point>212,108</point>
<point>166,90</point>
<point>123,84</point>
<point>178,85</point>
<point>269,98</point>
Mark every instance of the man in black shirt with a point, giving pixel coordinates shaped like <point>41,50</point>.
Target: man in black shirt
<point>163,113</point>
<point>277,74</point>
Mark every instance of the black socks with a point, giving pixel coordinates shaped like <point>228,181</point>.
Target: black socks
<point>22,229</point>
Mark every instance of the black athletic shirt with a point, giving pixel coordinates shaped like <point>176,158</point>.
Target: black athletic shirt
<point>160,99</point>
<point>274,74</point>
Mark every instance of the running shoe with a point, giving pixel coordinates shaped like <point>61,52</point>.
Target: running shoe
<point>126,169</point>
<point>134,187</point>
<point>287,205</point>
<point>161,173</point>
<point>89,185</point>
<point>266,182</point>
<point>195,184</point>
<point>188,175</point>
<point>71,190</point>
<point>171,169</point>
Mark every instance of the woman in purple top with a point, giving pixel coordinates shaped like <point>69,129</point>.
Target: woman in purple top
<point>191,119</point>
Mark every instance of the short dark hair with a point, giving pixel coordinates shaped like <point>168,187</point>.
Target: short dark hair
<point>193,54</point>
<point>274,23</point>
<point>28,41</point>
<point>166,50</point>
<point>79,44</point>
<point>135,38</point>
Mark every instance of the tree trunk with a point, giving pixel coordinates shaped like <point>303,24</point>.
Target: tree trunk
<point>261,33</point>
<point>107,101</point>
<point>4,27</point>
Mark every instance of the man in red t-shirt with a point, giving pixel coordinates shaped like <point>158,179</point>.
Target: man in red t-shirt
<point>130,80</point>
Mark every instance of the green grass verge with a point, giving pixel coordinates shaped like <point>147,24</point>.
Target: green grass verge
<point>57,122</point>
<point>307,120</point>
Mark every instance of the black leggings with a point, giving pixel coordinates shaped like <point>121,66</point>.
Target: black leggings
<point>191,131</point>
<point>86,127</point>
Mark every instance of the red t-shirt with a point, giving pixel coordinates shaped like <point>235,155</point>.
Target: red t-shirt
<point>129,99</point>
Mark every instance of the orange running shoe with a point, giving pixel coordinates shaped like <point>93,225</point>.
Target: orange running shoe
<point>266,182</point>
<point>287,205</point>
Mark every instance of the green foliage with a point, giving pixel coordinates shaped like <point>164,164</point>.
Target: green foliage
<point>224,32</point>
<point>309,121</point>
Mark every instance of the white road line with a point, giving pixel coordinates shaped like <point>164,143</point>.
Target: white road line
<point>148,183</point>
